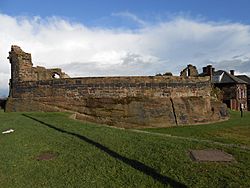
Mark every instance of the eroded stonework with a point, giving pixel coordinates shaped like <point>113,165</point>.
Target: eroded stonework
<point>138,101</point>
<point>22,68</point>
<point>190,70</point>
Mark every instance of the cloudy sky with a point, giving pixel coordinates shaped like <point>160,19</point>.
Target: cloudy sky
<point>126,37</point>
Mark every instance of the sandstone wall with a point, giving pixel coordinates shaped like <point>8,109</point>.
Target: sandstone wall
<point>120,101</point>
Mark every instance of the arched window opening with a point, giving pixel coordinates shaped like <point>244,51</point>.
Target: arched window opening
<point>55,75</point>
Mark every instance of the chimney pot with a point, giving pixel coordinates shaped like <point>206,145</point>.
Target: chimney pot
<point>232,72</point>
<point>209,70</point>
<point>204,69</point>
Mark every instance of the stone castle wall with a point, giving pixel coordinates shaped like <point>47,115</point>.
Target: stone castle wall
<point>121,101</point>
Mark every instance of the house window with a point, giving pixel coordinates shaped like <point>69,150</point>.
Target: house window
<point>243,93</point>
<point>239,93</point>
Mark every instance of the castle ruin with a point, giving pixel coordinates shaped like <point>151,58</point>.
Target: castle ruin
<point>132,101</point>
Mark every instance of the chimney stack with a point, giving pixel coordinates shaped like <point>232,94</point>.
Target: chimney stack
<point>204,70</point>
<point>232,72</point>
<point>208,70</point>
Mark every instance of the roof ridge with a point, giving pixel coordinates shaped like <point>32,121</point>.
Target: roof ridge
<point>244,78</point>
<point>232,77</point>
<point>238,80</point>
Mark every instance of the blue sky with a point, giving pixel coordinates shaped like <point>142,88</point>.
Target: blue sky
<point>126,37</point>
<point>92,12</point>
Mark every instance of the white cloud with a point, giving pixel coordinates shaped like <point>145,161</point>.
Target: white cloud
<point>131,17</point>
<point>161,47</point>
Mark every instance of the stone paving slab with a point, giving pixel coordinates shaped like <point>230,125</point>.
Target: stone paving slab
<point>211,155</point>
<point>47,156</point>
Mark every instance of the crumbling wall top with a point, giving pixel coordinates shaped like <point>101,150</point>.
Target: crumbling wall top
<point>17,52</point>
<point>16,48</point>
<point>190,70</point>
<point>22,68</point>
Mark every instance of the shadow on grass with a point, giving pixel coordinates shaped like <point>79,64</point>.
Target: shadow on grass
<point>131,162</point>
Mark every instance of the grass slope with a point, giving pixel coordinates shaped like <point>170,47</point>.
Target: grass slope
<point>236,130</point>
<point>98,156</point>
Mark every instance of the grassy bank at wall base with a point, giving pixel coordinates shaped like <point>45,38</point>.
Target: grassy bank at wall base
<point>96,156</point>
<point>234,131</point>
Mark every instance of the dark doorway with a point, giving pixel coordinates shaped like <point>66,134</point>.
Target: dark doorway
<point>2,103</point>
<point>227,102</point>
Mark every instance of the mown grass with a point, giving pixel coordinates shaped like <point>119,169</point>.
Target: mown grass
<point>98,156</point>
<point>236,130</point>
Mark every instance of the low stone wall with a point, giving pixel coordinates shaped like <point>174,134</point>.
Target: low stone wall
<point>122,101</point>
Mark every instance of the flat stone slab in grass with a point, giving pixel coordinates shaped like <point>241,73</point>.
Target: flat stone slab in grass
<point>211,155</point>
<point>46,156</point>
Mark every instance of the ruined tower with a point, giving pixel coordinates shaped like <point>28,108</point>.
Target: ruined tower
<point>21,65</point>
<point>22,68</point>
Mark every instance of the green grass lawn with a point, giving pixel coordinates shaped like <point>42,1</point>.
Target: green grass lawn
<point>96,156</point>
<point>234,131</point>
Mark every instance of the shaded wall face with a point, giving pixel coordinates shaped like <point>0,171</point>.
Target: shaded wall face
<point>229,91</point>
<point>248,97</point>
<point>234,95</point>
<point>121,101</point>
